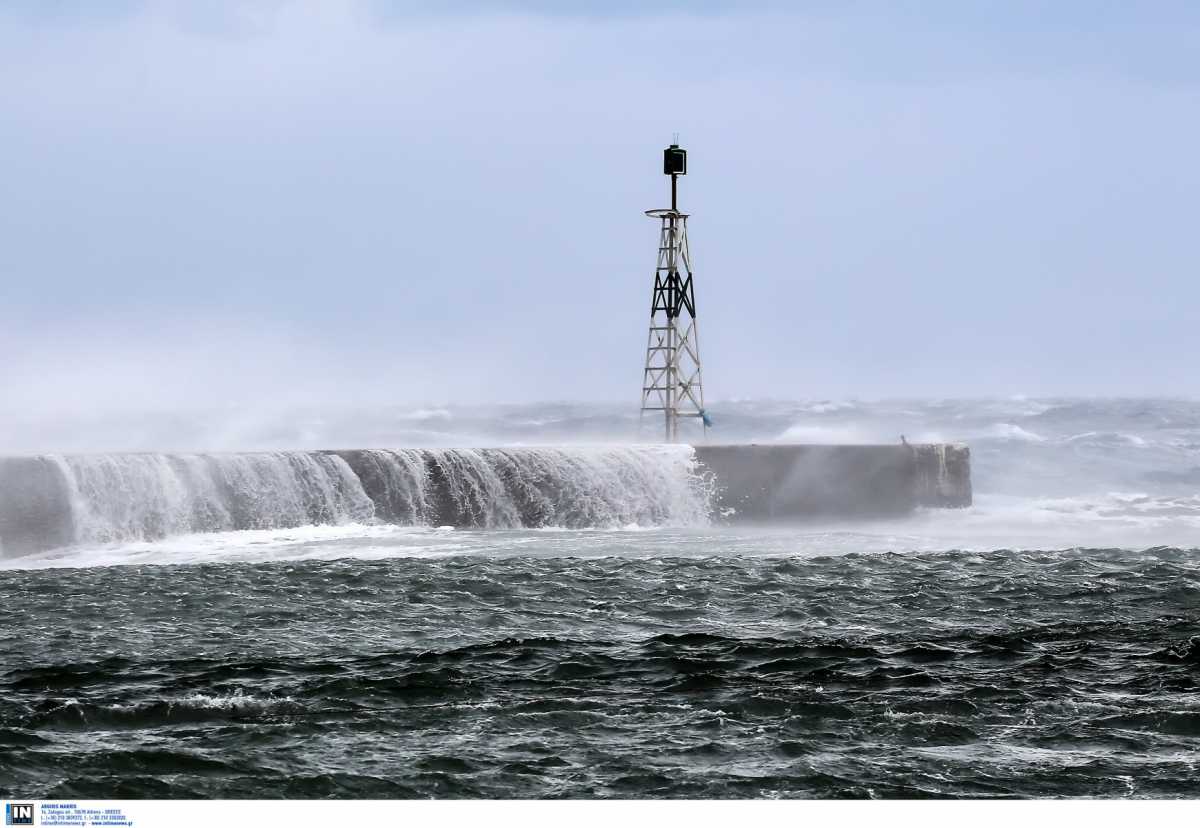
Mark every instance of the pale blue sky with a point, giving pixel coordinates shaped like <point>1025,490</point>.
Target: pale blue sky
<point>442,202</point>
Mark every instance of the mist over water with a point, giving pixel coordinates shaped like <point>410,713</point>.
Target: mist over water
<point>1047,474</point>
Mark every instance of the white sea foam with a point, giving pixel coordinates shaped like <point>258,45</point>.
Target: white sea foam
<point>251,545</point>
<point>1009,431</point>
<point>1107,438</point>
<point>426,414</point>
<point>829,407</point>
<point>236,702</point>
<point>820,434</point>
<point>1105,520</point>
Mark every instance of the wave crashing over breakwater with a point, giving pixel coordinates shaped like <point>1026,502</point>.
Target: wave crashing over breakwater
<point>54,500</point>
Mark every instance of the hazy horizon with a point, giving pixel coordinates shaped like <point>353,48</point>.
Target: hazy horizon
<point>985,424</point>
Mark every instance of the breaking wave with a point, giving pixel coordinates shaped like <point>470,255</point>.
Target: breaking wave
<point>108,498</point>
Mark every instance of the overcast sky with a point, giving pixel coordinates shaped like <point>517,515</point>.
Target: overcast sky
<point>436,202</point>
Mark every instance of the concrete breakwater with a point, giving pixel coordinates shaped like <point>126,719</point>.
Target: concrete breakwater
<point>52,501</point>
<point>773,482</point>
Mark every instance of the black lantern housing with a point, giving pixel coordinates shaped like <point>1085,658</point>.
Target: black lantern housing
<point>674,160</point>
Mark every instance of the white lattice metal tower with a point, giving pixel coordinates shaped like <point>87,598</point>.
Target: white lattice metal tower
<point>671,382</point>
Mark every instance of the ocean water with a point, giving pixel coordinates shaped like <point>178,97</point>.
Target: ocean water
<point>604,636</point>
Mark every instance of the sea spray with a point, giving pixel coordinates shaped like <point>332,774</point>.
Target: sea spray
<point>134,497</point>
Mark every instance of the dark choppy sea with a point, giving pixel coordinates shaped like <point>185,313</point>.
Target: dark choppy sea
<point>931,657</point>
<point>922,675</point>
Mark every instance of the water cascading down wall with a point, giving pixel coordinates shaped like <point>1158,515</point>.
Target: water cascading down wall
<point>52,501</point>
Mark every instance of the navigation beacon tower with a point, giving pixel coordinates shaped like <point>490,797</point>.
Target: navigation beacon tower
<point>671,381</point>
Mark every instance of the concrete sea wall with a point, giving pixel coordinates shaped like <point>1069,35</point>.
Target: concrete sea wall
<point>780,482</point>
